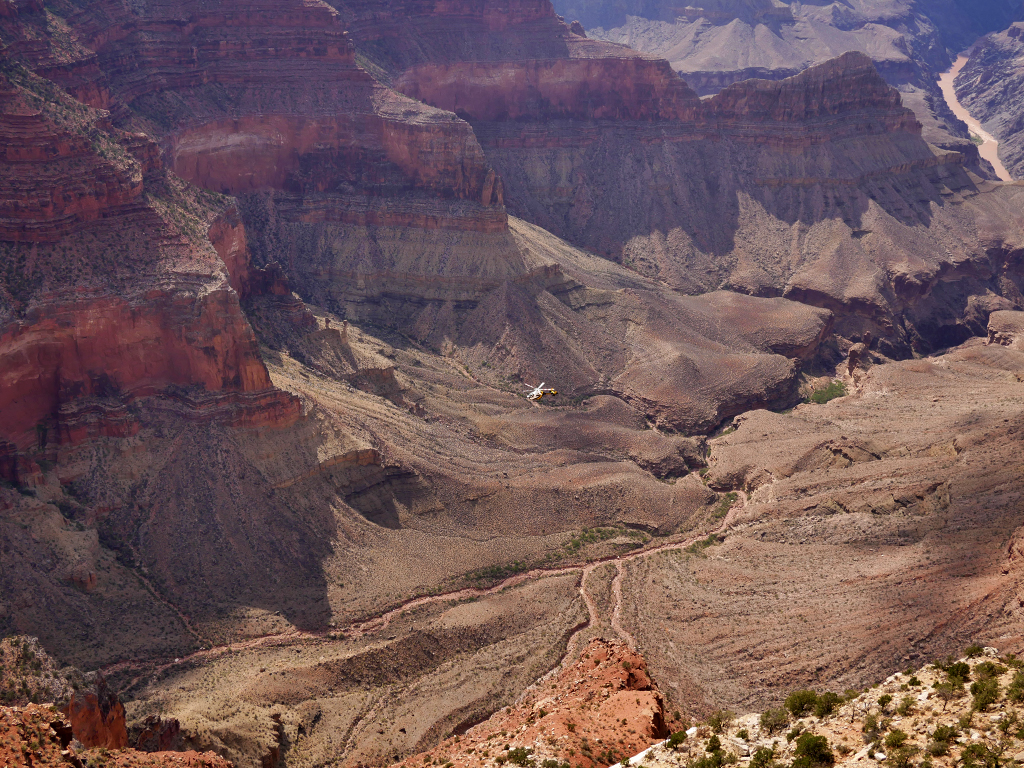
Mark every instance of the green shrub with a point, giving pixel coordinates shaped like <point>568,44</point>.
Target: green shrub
<point>905,706</point>
<point>774,720</point>
<point>677,738</point>
<point>826,704</point>
<point>831,392</point>
<point>870,727</point>
<point>812,751</point>
<point>520,756</point>
<point>799,703</point>
<point>713,760</point>
<point>714,744</point>
<point>958,671</point>
<point>901,756</point>
<point>742,733</point>
<point>985,693</point>
<point>989,669</point>
<point>945,733</point>
<point>895,739</point>
<point>973,651</point>
<point>763,758</point>
<point>980,755</point>
<point>720,719</point>
<point>938,748</point>
<point>1015,691</point>
<point>884,700</point>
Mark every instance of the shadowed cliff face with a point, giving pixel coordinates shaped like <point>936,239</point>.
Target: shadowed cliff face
<point>819,187</point>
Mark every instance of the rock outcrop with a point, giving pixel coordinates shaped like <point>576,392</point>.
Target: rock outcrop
<point>594,712</point>
<point>97,718</point>
<point>715,43</point>
<point>1006,327</point>
<point>922,710</point>
<point>40,736</point>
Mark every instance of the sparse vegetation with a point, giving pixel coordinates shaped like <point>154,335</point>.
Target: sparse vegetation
<point>774,720</point>
<point>830,392</point>
<point>800,703</point>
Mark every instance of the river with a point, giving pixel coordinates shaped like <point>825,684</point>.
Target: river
<point>989,148</point>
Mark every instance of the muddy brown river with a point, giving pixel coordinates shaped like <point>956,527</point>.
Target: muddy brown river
<point>989,148</point>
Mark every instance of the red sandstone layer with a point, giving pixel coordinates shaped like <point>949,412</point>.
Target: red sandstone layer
<point>115,288</point>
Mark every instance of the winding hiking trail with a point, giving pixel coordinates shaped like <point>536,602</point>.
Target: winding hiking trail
<point>989,148</point>
<point>372,626</point>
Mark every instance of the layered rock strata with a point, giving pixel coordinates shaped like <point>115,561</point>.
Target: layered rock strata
<point>747,191</point>
<point>39,736</point>
<point>714,44</point>
<point>113,288</point>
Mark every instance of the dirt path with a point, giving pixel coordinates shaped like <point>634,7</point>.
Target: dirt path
<point>380,623</point>
<point>617,610</point>
<point>989,148</point>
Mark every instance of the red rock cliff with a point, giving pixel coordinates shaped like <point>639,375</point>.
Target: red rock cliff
<point>114,287</point>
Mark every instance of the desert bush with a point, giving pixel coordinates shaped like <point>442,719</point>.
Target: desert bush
<point>895,739</point>
<point>985,693</point>
<point>774,720</point>
<point>958,671</point>
<point>980,755</point>
<point>1015,691</point>
<point>905,706</point>
<point>901,756</point>
<point>799,703</point>
<point>812,751</point>
<point>870,728</point>
<point>826,704</point>
<point>720,719</point>
<point>973,651</point>
<point>520,756</point>
<point>675,739</point>
<point>988,669</point>
<point>763,758</point>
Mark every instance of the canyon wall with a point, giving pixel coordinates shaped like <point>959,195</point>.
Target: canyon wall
<point>742,190</point>
<point>989,87</point>
<point>112,289</point>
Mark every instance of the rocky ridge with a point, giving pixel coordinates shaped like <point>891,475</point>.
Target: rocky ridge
<point>38,735</point>
<point>586,714</point>
<point>954,712</point>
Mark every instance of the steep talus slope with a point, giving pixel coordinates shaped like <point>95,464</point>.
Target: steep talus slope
<point>989,87</point>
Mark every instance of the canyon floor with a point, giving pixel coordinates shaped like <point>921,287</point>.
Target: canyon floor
<point>814,560</point>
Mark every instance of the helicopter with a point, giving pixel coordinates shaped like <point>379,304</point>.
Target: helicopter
<point>539,392</point>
